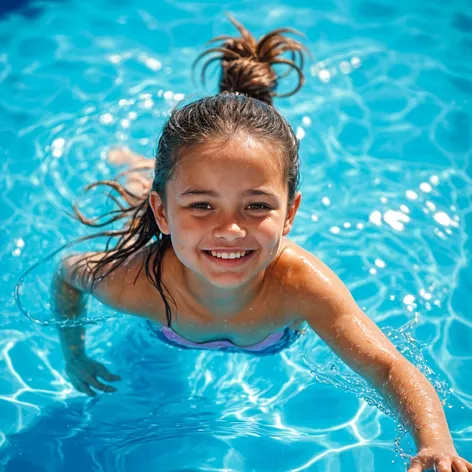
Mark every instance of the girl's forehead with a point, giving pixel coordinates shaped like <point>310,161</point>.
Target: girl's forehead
<point>236,165</point>
<point>239,152</point>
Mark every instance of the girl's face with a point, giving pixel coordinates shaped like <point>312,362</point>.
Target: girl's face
<point>226,199</point>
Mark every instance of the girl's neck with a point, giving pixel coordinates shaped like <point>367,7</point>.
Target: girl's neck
<point>215,301</point>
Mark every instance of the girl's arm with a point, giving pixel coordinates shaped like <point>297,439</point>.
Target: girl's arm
<point>68,304</point>
<point>328,306</point>
<point>71,285</point>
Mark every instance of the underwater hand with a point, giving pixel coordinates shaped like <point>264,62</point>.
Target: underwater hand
<point>83,373</point>
<point>439,459</point>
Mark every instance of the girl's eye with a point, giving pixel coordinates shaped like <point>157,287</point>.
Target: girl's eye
<point>200,206</point>
<point>260,206</point>
<point>253,206</point>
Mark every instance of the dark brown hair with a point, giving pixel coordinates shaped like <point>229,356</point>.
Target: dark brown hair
<point>243,106</point>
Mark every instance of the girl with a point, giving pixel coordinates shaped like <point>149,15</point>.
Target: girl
<point>205,254</point>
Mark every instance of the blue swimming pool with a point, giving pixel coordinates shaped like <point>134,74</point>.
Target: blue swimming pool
<point>385,127</point>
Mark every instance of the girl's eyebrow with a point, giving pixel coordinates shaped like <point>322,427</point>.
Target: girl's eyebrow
<point>192,191</point>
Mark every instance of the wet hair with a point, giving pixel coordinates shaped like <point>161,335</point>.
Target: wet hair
<point>244,106</point>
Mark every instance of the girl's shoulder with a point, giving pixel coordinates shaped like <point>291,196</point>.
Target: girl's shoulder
<point>128,288</point>
<point>300,274</point>
<point>296,265</point>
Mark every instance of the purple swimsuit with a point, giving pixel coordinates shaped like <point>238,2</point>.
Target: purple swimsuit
<point>172,336</point>
<point>272,344</point>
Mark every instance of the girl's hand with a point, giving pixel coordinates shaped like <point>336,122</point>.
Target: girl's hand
<point>83,373</point>
<point>439,459</point>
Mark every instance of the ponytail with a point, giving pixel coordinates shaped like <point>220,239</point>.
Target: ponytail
<point>247,64</point>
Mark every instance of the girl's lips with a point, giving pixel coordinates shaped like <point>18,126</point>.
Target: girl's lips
<point>229,262</point>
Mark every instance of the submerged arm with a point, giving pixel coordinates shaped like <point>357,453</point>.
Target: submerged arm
<point>71,285</point>
<point>69,303</point>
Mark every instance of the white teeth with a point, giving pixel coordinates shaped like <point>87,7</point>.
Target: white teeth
<point>228,255</point>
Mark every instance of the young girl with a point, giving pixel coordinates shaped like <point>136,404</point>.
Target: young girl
<point>204,253</point>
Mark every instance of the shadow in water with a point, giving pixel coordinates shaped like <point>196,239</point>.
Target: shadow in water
<point>26,8</point>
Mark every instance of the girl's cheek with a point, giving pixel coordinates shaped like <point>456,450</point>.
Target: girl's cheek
<point>191,226</point>
<point>268,227</point>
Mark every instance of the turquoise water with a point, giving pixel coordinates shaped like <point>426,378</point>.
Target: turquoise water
<point>385,127</point>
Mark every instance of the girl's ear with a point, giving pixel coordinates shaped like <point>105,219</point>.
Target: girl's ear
<point>291,212</point>
<point>159,211</point>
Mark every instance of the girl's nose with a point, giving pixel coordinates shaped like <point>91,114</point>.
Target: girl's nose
<point>229,229</point>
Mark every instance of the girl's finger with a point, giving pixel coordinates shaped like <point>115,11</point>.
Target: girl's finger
<point>415,468</point>
<point>444,465</point>
<point>104,373</point>
<point>87,390</point>
<point>77,386</point>
<point>100,386</point>
<point>467,464</point>
<point>458,465</point>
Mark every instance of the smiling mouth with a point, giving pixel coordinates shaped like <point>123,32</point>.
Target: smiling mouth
<point>228,257</point>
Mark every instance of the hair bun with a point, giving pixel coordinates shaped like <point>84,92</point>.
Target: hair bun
<point>246,64</point>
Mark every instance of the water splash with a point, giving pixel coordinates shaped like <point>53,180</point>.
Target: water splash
<point>330,370</point>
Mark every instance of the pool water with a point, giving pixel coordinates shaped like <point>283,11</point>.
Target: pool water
<point>385,126</point>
